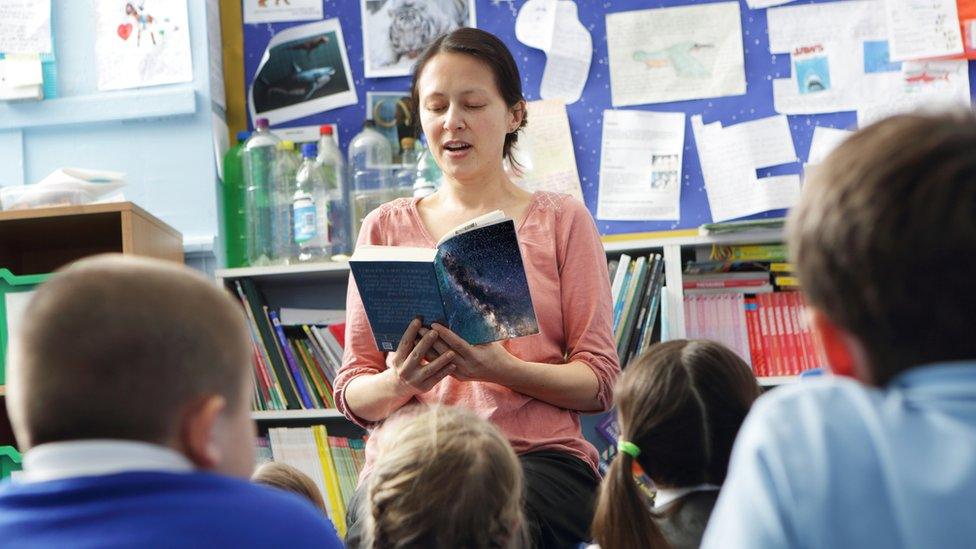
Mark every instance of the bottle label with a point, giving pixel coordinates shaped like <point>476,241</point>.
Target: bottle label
<point>303,212</point>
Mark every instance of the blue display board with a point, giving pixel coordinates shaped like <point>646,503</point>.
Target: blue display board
<point>586,115</point>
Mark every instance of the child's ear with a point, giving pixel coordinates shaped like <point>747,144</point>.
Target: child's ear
<point>844,353</point>
<point>198,437</point>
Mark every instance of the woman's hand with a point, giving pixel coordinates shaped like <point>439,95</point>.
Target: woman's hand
<point>414,373</point>
<point>488,362</point>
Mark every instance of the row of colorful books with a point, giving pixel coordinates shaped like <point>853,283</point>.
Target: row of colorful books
<point>333,463</point>
<point>768,330</point>
<point>636,290</point>
<point>294,366</point>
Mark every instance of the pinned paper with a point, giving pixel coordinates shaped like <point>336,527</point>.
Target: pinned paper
<point>674,54</point>
<point>920,30</point>
<point>275,11</point>
<point>728,165</point>
<point>568,58</point>
<point>545,153</point>
<point>640,165</point>
<point>825,140</point>
<point>25,26</point>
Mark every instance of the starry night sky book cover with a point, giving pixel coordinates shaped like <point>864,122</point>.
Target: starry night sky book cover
<point>474,283</point>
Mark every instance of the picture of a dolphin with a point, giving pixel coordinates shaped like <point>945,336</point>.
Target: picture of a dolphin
<point>302,82</point>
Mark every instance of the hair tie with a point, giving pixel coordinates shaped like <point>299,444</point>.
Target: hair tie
<point>628,448</point>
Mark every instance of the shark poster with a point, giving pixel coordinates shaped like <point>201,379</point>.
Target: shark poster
<point>304,71</point>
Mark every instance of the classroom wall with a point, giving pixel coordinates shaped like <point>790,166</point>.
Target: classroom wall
<point>161,136</point>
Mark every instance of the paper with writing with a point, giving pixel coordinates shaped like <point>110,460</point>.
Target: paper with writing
<point>25,26</point>
<point>545,150</point>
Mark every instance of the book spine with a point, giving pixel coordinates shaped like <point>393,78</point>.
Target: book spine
<point>728,283</point>
<point>770,341</point>
<point>621,298</point>
<point>316,387</point>
<point>655,306</point>
<point>290,360</point>
<point>755,337</point>
<point>262,339</point>
<point>331,477</point>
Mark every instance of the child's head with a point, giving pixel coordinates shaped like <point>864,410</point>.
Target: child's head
<point>128,348</point>
<point>883,241</point>
<point>443,478</point>
<point>285,477</point>
<point>681,403</point>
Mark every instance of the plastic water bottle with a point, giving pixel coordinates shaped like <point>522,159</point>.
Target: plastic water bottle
<point>310,208</point>
<point>282,191</point>
<point>334,170</point>
<point>370,160</point>
<point>259,159</point>
<point>407,173</point>
<point>232,194</point>
<point>428,173</point>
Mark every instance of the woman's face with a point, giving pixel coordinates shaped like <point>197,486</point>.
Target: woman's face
<point>463,116</point>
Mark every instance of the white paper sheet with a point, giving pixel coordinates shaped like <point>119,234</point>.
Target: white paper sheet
<point>304,71</point>
<point>730,176</point>
<point>929,86</point>
<point>25,26</point>
<point>919,29</point>
<point>824,141</point>
<point>215,50</point>
<point>545,150</point>
<point>640,165</point>
<point>273,11</point>
<point>767,141</point>
<point>759,4</point>
<point>568,58</point>
<point>304,134</point>
<point>818,23</point>
<point>16,306</point>
<point>673,54</point>
<point>535,22</point>
<point>21,77</point>
<point>146,46</point>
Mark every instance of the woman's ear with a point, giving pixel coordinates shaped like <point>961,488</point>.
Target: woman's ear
<point>197,434</point>
<point>517,112</point>
<point>844,353</point>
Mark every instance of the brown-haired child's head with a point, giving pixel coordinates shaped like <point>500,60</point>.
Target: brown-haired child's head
<point>118,347</point>
<point>285,477</point>
<point>444,477</point>
<point>682,403</point>
<point>883,240</point>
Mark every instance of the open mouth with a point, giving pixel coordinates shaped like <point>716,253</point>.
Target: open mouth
<point>456,146</point>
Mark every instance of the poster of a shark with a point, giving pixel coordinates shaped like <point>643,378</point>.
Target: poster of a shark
<point>304,71</point>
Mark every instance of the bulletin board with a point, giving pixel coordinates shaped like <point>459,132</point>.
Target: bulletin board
<point>498,17</point>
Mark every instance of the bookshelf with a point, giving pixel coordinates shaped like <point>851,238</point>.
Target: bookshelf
<point>323,285</point>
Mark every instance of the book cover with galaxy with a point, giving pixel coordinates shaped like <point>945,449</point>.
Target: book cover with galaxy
<point>473,282</point>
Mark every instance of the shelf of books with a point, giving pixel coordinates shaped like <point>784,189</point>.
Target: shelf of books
<point>287,415</point>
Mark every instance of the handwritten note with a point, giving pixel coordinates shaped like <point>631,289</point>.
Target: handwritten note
<point>545,150</point>
<point>25,26</point>
<point>568,57</point>
<point>919,29</point>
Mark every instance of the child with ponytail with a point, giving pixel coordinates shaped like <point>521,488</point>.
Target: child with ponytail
<point>679,407</point>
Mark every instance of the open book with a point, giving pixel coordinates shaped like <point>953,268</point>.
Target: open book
<point>473,282</point>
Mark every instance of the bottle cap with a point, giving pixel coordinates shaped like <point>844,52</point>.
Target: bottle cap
<point>309,150</point>
<point>369,123</point>
<point>325,129</point>
<point>261,123</point>
<point>242,136</point>
<point>286,146</point>
<point>406,143</point>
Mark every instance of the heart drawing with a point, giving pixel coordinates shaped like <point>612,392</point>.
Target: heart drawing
<point>125,30</point>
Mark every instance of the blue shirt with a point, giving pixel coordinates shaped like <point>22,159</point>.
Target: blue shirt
<point>833,463</point>
<point>158,509</point>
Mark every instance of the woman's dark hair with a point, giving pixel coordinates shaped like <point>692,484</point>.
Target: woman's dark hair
<point>491,51</point>
<point>682,403</point>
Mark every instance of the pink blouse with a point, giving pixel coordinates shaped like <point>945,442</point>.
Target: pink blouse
<point>568,279</point>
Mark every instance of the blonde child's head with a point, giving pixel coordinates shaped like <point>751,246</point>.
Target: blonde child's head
<point>285,477</point>
<point>119,347</point>
<point>681,403</point>
<point>444,477</point>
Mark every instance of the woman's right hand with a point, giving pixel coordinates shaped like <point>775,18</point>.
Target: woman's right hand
<point>414,373</point>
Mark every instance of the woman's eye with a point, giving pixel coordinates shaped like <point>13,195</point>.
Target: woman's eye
<point>436,108</point>
<point>474,107</point>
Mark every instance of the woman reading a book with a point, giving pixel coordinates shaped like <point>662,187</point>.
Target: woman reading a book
<point>467,91</point>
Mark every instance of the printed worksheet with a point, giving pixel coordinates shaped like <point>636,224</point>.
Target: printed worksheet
<point>920,29</point>
<point>674,54</point>
<point>640,165</point>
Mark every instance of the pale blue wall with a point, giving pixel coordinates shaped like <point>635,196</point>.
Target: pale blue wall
<point>160,136</point>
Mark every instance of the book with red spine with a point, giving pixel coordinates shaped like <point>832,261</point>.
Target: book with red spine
<point>756,351</point>
<point>769,336</point>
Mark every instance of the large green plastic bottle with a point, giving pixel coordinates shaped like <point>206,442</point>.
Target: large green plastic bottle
<point>235,227</point>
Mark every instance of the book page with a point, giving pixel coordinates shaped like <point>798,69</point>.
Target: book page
<point>489,218</point>
<point>673,54</point>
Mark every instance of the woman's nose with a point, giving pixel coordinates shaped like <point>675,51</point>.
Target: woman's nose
<point>454,119</point>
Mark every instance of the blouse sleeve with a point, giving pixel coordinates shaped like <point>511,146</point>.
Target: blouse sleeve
<point>585,294</point>
<point>360,357</point>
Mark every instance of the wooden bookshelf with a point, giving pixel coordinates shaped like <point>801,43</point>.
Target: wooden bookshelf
<point>40,240</point>
<point>773,381</point>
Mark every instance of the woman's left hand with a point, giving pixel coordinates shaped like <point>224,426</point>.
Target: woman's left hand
<point>488,362</point>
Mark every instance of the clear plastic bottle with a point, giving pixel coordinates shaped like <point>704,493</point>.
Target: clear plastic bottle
<point>282,191</point>
<point>407,172</point>
<point>310,208</point>
<point>334,169</point>
<point>429,173</point>
<point>370,163</point>
<point>259,159</point>
<point>232,195</point>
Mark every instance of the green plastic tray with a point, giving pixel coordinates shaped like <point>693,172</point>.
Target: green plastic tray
<point>9,284</point>
<point>10,461</point>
